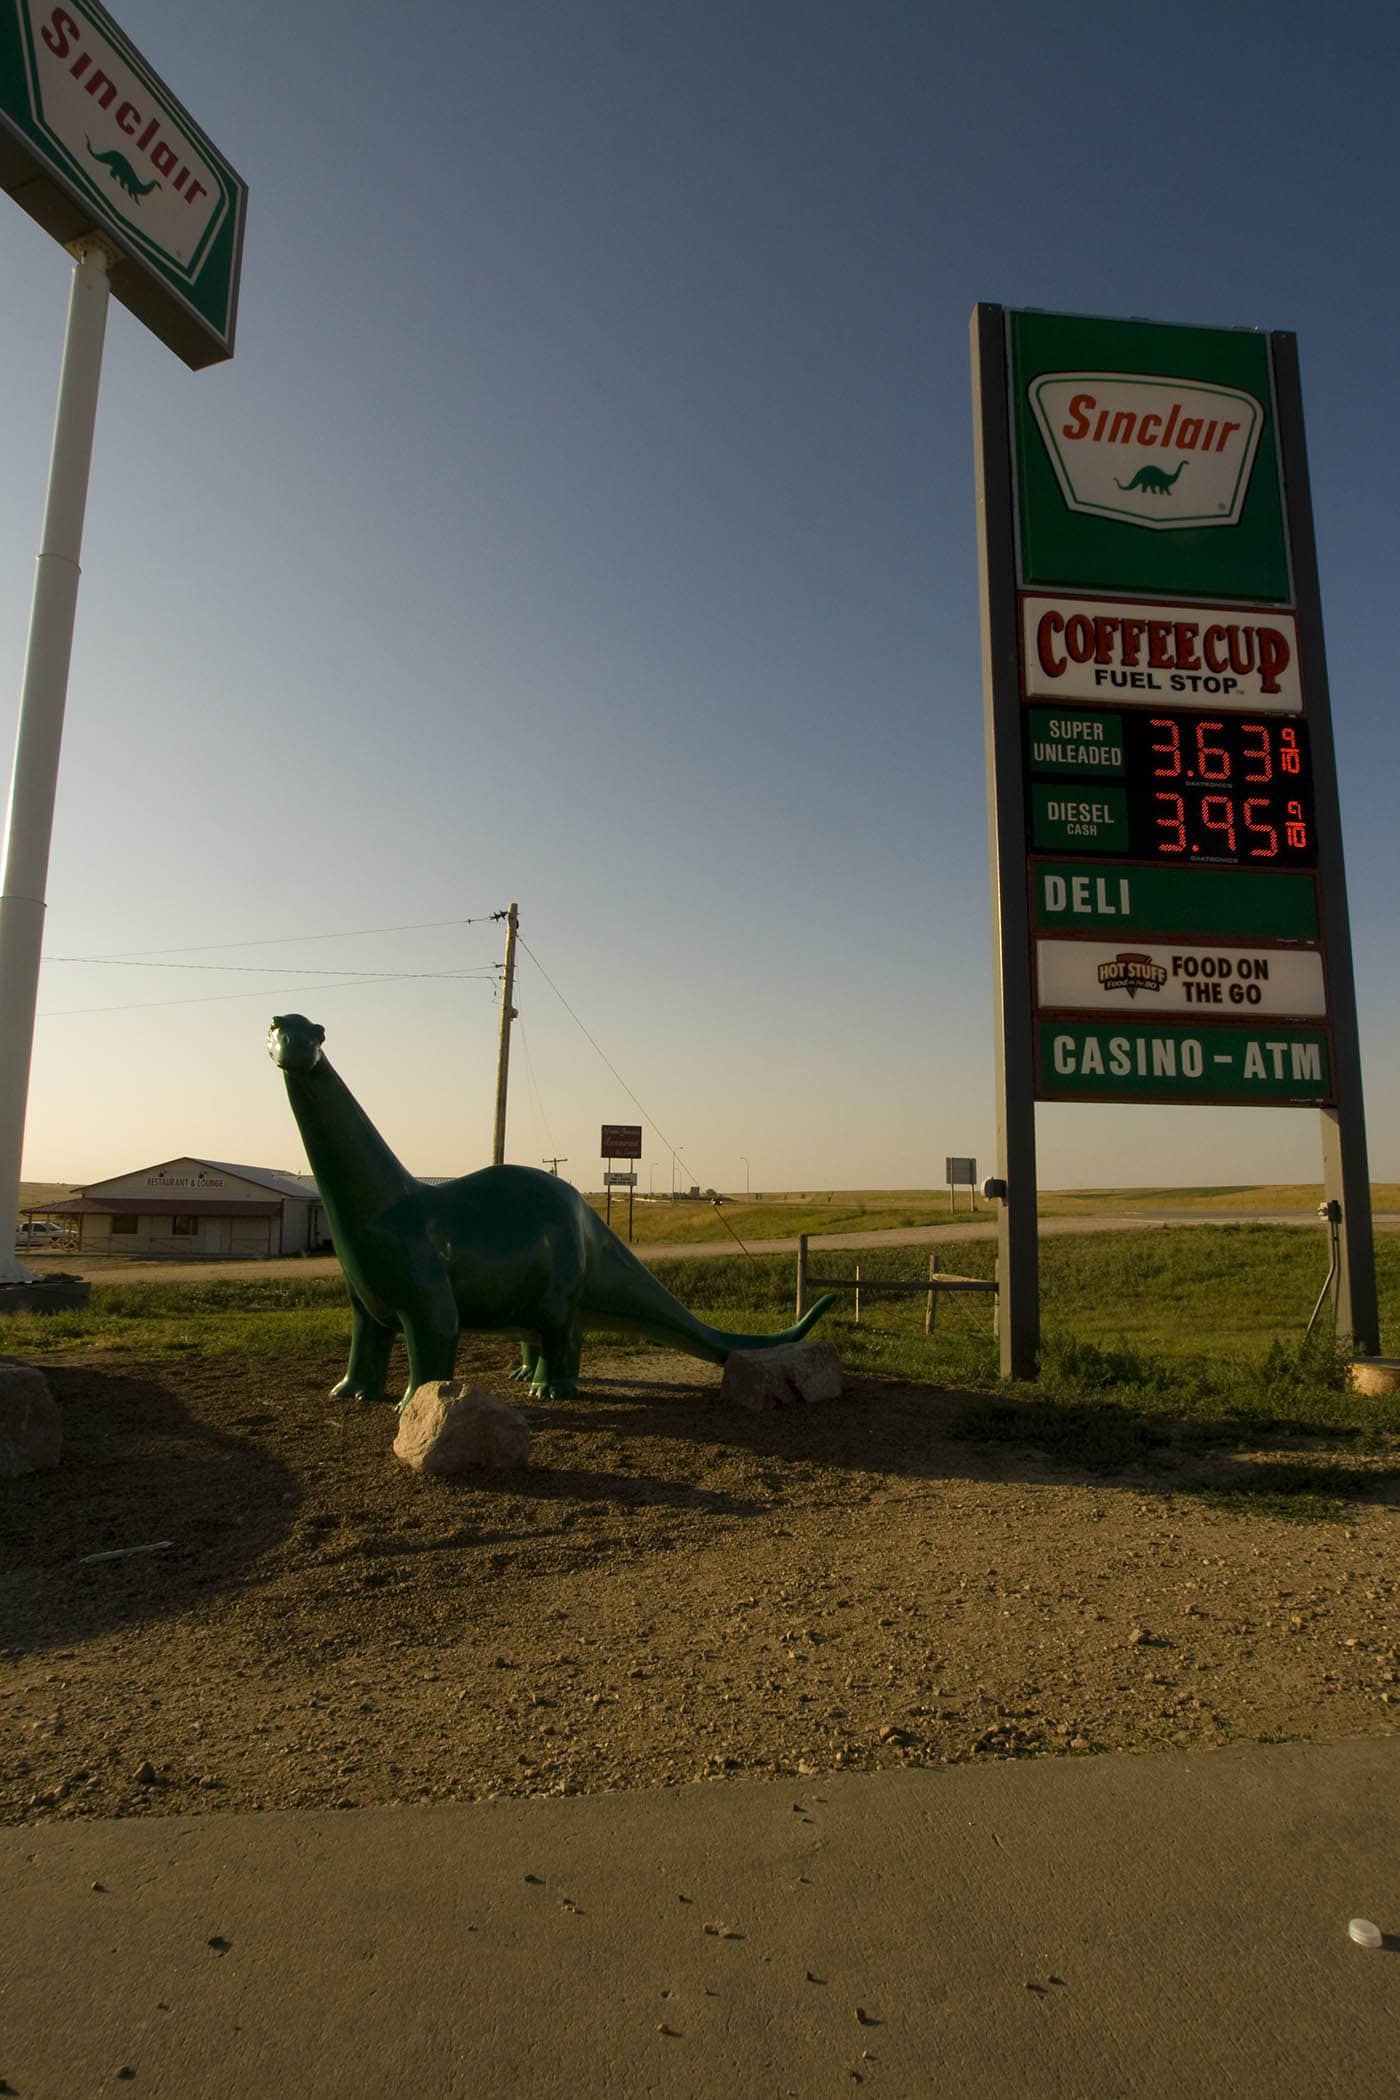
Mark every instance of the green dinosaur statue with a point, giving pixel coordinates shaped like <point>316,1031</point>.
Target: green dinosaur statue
<point>507,1250</point>
<point>1152,481</point>
<point>122,172</point>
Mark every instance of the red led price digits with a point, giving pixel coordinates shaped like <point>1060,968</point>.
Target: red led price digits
<point>1171,750</point>
<point>1266,831</point>
<point>1175,824</point>
<point>1202,789</point>
<point>1212,760</point>
<point>1218,814</point>
<point>1263,757</point>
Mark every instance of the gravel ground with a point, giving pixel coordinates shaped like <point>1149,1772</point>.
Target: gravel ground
<point>675,1591</point>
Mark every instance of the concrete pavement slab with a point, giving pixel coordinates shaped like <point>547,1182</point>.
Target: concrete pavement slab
<point>1171,1924</point>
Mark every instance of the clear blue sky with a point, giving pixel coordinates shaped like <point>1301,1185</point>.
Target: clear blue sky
<point>587,518</point>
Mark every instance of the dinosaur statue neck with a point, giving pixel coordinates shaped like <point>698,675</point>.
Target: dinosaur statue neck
<point>356,1173</point>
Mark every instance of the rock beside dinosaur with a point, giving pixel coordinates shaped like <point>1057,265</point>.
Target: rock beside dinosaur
<point>31,1427</point>
<point>783,1377</point>
<point>448,1427</point>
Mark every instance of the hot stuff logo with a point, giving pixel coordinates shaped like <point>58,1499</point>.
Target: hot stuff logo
<point>1132,973</point>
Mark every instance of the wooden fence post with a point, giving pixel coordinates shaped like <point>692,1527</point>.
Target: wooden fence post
<point>857,1294</point>
<point>932,1294</point>
<point>801,1274</point>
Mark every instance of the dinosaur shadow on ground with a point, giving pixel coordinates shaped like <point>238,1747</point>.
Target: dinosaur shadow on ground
<point>137,1468</point>
<point>593,1491</point>
<point>887,1431</point>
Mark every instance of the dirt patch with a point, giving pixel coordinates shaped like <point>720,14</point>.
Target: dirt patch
<point>674,1591</point>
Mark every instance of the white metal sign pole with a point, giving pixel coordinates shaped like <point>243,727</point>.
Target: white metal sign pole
<point>34,782</point>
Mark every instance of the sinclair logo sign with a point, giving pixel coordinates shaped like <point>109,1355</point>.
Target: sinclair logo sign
<point>124,141</point>
<point>1146,460</point>
<point>1151,451</point>
<point>91,140</point>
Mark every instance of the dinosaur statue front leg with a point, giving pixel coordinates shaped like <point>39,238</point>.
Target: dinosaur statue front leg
<point>368,1369</point>
<point>529,1362</point>
<point>430,1332</point>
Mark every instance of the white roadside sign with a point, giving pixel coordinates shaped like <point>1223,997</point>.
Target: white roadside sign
<point>1155,655</point>
<point>1142,978</point>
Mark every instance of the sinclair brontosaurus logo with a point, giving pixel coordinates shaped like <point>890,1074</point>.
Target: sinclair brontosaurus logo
<point>1165,454</point>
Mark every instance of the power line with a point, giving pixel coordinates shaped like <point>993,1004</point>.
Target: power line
<point>533,1082</point>
<point>646,1115</point>
<point>282,940</point>
<point>268,991</point>
<point>343,979</point>
<point>122,962</point>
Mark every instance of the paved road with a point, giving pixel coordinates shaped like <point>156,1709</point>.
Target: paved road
<point>1131,1928</point>
<point>105,1270</point>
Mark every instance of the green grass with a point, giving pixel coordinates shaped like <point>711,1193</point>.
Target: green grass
<point>172,1319</point>
<point>1237,1199</point>
<point>783,1217</point>
<point>1161,1348</point>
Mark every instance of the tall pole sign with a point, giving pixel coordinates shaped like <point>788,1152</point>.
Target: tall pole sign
<point>92,141</point>
<point>96,149</point>
<point>1171,919</point>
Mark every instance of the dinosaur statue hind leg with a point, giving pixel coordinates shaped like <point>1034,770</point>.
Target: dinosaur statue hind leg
<point>557,1361</point>
<point>368,1369</point>
<point>524,1371</point>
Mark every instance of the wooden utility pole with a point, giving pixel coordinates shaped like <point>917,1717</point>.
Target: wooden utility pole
<point>508,1014</point>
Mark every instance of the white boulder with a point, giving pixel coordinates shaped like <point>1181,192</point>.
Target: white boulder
<point>765,1378</point>
<point>448,1427</point>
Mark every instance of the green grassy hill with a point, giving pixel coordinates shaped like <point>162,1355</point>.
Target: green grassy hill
<point>35,1195</point>
<point>771,1217</point>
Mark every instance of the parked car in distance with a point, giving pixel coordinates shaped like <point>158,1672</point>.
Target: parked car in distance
<point>38,1232</point>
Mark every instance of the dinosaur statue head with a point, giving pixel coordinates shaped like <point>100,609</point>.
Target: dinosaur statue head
<point>294,1043</point>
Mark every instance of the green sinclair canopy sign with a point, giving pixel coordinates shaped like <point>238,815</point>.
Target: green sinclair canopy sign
<point>91,140</point>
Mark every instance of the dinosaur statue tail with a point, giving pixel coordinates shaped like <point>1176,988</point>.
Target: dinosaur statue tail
<point>724,1344</point>
<point>625,1296</point>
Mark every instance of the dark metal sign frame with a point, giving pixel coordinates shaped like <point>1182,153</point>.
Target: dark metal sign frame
<point>1346,1173</point>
